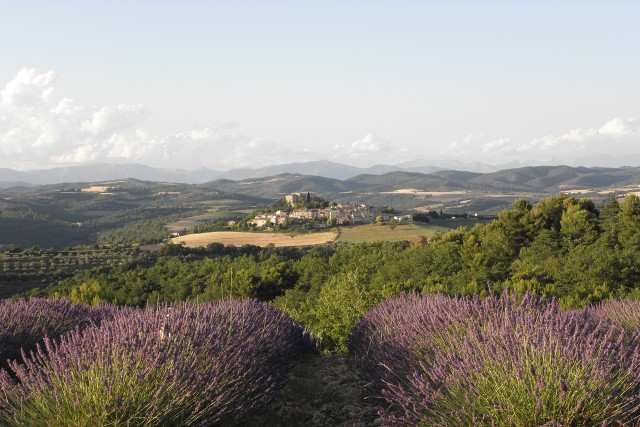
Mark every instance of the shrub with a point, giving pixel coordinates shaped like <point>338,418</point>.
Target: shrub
<point>24,323</point>
<point>498,362</point>
<point>172,365</point>
<point>625,313</point>
<point>400,332</point>
<point>330,313</point>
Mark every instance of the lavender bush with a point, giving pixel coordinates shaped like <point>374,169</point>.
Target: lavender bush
<point>395,334</point>
<point>24,323</point>
<point>190,364</point>
<point>498,362</point>
<point>625,313</point>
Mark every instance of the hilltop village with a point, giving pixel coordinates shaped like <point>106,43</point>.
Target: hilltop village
<point>304,208</point>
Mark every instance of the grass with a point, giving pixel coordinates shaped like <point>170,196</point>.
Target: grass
<point>194,221</point>
<point>375,232</point>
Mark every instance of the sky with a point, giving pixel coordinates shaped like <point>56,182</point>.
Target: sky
<point>220,85</point>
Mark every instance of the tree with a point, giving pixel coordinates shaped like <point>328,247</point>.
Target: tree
<point>421,217</point>
<point>550,211</point>
<point>609,214</point>
<point>87,292</point>
<point>241,284</point>
<point>488,252</point>
<point>420,241</point>
<point>578,226</point>
<point>518,223</point>
<point>628,224</point>
<point>341,302</point>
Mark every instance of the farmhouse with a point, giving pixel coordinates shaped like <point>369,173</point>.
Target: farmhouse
<point>404,218</point>
<point>260,221</point>
<point>304,213</point>
<point>278,218</point>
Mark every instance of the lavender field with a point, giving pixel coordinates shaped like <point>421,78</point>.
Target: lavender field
<point>425,359</point>
<point>186,364</point>
<point>437,360</point>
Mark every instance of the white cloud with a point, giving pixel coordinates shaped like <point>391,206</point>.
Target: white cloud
<point>496,144</point>
<point>621,128</point>
<point>39,131</point>
<point>369,144</point>
<point>462,149</point>
<point>108,119</point>
<point>36,130</point>
<point>615,138</point>
<point>28,89</point>
<point>80,154</point>
<point>367,151</point>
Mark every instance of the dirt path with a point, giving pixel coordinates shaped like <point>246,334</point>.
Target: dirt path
<point>321,391</point>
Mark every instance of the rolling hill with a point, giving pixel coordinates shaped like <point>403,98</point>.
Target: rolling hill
<point>67,214</point>
<point>550,179</point>
<point>533,179</point>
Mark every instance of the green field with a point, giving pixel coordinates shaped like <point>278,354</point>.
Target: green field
<point>194,221</point>
<point>375,232</point>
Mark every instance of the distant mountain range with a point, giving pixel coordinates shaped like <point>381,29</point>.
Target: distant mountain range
<point>326,176</point>
<point>543,180</point>
<point>454,191</point>
<point>105,172</point>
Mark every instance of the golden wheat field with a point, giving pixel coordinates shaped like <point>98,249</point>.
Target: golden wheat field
<point>238,238</point>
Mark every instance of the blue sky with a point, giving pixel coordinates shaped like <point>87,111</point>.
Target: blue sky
<point>249,83</point>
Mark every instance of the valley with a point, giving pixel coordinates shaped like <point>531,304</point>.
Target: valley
<point>428,255</point>
<point>129,211</point>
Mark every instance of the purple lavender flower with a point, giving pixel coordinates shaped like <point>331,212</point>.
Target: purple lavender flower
<point>434,360</point>
<point>625,313</point>
<point>188,364</point>
<point>24,323</point>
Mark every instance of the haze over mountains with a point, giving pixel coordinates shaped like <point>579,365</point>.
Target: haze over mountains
<point>527,180</point>
<point>334,178</point>
<point>322,168</point>
<point>104,171</point>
